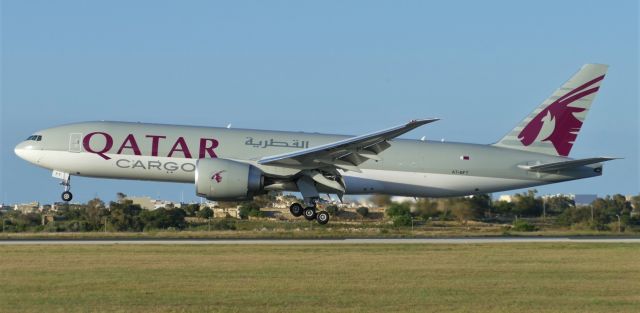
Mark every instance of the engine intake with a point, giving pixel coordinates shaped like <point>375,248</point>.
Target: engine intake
<point>227,180</point>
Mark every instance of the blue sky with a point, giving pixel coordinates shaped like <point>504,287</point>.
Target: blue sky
<point>327,66</point>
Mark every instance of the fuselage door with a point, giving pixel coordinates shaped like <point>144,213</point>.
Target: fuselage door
<point>75,144</point>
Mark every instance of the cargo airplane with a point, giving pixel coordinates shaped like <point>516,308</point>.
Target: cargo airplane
<point>236,164</point>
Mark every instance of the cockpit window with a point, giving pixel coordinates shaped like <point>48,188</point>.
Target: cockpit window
<point>35,138</point>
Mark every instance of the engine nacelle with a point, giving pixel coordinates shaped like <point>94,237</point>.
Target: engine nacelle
<point>227,180</point>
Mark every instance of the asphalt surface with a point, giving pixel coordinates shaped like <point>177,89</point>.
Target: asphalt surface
<point>494,240</point>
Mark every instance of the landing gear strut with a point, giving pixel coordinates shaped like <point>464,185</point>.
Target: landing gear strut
<point>307,188</point>
<point>66,183</point>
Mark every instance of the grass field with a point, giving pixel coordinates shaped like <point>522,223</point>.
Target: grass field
<point>539,277</point>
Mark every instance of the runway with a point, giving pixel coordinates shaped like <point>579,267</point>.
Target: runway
<point>485,240</point>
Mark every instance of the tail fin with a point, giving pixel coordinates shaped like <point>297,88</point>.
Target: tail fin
<point>553,127</point>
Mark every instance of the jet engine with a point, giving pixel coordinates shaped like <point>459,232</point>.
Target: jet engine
<point>227,180</point>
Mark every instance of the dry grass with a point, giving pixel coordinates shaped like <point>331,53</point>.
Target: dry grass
<point>578,277</point>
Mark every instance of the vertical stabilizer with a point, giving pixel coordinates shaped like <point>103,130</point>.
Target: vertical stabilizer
<point>553,127</point>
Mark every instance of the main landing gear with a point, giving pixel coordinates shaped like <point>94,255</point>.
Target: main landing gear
<point>307,188</point>
<point>309,213</point>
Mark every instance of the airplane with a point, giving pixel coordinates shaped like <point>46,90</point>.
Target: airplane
<point>228,164</point>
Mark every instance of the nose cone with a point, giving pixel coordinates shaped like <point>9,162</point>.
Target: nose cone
<point>26,151</point>
<point>19,150</point>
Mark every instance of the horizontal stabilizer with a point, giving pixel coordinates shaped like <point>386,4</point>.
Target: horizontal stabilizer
<point>565,165</point>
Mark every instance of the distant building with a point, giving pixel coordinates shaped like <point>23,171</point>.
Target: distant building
<point>629,198</point>
<point>506,198</point>
<point>4,208</point>
<point>209,204</point>
<point>148,203</point>
<point>226,212</point>
<point>25,208</point>
<point>584,200</point>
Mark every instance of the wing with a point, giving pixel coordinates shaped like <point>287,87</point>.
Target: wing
<point>345,154</point>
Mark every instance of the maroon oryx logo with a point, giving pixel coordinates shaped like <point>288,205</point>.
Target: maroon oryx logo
<point>559,120</point>
<point>217,177</point>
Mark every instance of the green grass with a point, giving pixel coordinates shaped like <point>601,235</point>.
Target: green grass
<point>540,277</point>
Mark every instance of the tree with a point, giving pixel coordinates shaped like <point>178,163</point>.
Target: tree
<point>479,204</point>
<point>527,204</point>
<point>94,214</point>
<point>402,220</point>
<point>121,197</point>
<point>191,209</point>
<point>125,216</point>
<point>400,213</point>
<point>502,207</point>
<point>205,213</point>
<point>23,221</point>
<point>332,210</point>
<point>426,208</point>
<point>462,210</point>
<point>363,211</point>
<point>558,204</point>
<point>250,208</point>
<point>263,201</point>
<point>381,200</point>
<point>635,203</point>
<point>398,209</point>
<point>164,218</point>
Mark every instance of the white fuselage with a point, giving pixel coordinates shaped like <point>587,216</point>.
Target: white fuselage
<point>154,152</point>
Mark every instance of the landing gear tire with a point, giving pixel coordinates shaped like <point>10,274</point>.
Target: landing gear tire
<point>67,196</point>
<point>309,213</point>
<point>322,217</point>
<point>296,209</point>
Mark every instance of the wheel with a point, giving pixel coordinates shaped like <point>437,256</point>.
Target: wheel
<point>322,217</point>
<point>67,196</point>
<point>296,209</point>
<point>309,213</point>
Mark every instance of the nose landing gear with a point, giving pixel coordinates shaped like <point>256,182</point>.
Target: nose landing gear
<point>66,183</point>
<point>67,196</point>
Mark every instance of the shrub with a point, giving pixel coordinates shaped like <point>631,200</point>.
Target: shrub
<point>332,210</point>
<point>205,213</point>
<point>521,225</point>
<point>250,209</point>
<point>224,224</point>
<point>402,220</point>
<point>398,209</point>
<point>363,211</point>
